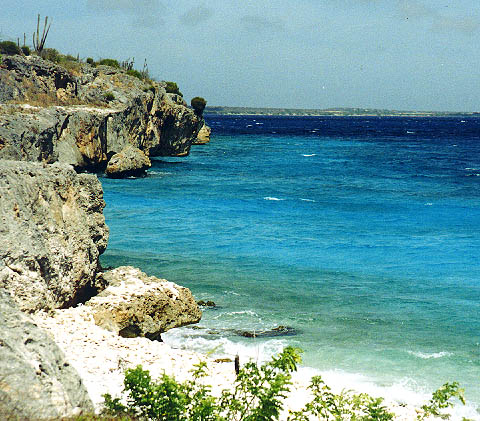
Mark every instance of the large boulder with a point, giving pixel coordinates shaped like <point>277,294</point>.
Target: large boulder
<point>84,119</point>
<point>135,304</point>
<point>131,161</point>
<point>36,381</point>
<point>52,231</point>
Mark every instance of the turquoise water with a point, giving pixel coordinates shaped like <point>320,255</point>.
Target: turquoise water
<point>363,235</point>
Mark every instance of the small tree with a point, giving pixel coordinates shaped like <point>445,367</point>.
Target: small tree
<point>172,88</point>
<point>198,105</point>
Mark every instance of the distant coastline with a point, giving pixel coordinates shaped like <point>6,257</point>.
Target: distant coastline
<point>337,112</point>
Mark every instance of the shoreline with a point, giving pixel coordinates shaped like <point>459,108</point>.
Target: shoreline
<point>101,357</point>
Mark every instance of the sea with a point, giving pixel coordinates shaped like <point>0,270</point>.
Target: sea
<point>356,239</point>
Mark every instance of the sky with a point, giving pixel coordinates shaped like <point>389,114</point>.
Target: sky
<point>387,54</point>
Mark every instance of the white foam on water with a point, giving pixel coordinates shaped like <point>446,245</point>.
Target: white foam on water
<point>275,199</point>
<point>307,200</point>
<point>404,391</point>
<point>434,355</point>
<point>311,154</point>
<point>221,347</point>
<point>249,312</point>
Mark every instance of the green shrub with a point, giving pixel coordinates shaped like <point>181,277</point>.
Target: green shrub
<point>50,54</point>
<point>441,400</point>
<point>257,394</point>
<point>109,96</point>
<point>90,60</point>
<point>9,48</point>
<point>26,50</point>
<point>109,62</point>
<point>172,88</point>
<point>68,57</point>
<point>135,73</point>
<point>198,105</point>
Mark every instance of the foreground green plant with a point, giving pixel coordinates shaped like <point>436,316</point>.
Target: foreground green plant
<point>441,400</point>
<point>344,406</point>
<point>257,394</point>
<point>166,399</point>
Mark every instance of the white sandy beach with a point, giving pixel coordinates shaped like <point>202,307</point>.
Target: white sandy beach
<point>101,358</point>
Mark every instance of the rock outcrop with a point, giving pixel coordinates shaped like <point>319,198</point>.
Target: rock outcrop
<point>86,118</point>
<point>135,304</point>
<point>52,232</point>
<point>203,135</point>
<point>131,161</point>
<point>36,381</point>
<point>26,78</point>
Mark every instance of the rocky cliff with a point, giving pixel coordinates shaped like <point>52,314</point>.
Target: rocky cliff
<point>36,382</point>
<point>84,116</point>
<point>52,232</point>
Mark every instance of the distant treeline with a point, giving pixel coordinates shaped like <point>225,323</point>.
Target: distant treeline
<point>332,112</point>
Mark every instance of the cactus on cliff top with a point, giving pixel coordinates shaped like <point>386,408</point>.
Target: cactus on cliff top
<point>39,43</point>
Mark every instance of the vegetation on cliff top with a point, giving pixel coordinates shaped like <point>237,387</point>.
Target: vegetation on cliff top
<point>73,64</point>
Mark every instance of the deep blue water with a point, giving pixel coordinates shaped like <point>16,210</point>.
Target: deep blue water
<point>362,234</point>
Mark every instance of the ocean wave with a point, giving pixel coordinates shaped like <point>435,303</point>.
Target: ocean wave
<point>307,200</point>
<point>222,347</point>
<point>249,312</point>
<point>275,199</point>
<point>404,391</point>
<point>311,154</point>
<point>153,172</point>
<point>435,355</point>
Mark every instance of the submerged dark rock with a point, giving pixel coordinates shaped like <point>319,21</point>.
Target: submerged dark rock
<point>276,331</point>
<point>206,303</point>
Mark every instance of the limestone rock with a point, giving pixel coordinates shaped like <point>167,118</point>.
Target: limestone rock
<point>203,135</point>
<point>69,120</point>
<point>27,78</point>
<point>135,304</point>
<point>37,383</point>
<point>52,231</point>
<point>131,161</point>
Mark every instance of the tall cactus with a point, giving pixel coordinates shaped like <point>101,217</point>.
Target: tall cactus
<point>39,43</point>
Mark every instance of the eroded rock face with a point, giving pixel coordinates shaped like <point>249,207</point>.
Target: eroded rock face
<point>131,161</point>
<point>80,127</point>
<point>203,135</point>
<point>23,78</point>
<point>52,232</point>
<point>36,381</point>
<point>135,304</point>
